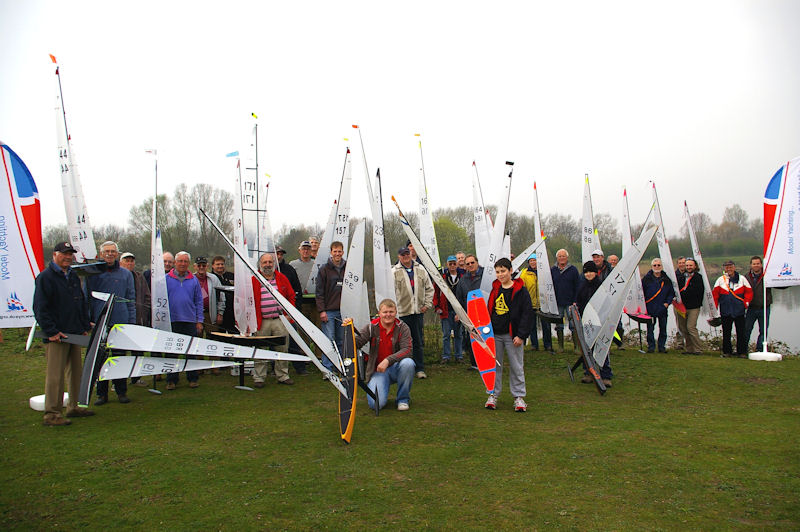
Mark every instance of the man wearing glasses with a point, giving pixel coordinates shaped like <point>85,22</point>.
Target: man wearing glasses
<point>118,281</point>
<point>658,295</point>
<point>471,280</point>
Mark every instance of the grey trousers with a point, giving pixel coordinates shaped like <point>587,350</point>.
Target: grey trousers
<point>516,378</point>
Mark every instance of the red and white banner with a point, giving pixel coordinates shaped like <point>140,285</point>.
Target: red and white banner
<point>781,220</point>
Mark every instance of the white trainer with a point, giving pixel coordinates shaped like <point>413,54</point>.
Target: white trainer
<point>520,405</point>
<point>402,406</point>
<point>491,402</point>
<point>421,375</point>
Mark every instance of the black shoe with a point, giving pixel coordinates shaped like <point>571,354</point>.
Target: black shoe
<point>101,401</point>
<point>651,350</point>
<point>123,399</point>
<point>662,350</point>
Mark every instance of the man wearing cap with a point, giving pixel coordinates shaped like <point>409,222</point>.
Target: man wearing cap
<point>446,314</point>
<point>691,289</point>
<point>304,264</point>
<point>142,288</point>
<point>213,304</point>
<point>732,295</point>
<point>118,281</point>
<point>530,277</point>
<point>566,281</point>
<point>329,298</point>
<point>268,313</point>
<point>414,291</point>
<point>185,309</point>
<point>60,307</point>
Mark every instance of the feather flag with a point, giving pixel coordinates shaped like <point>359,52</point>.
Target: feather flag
<point>781,208</point>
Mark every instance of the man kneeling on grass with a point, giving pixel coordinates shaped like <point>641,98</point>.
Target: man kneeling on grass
<point>389,358</point>
<point>511,313</point>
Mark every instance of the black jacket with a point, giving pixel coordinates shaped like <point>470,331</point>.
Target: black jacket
<point>586,291</point>
<point>692,293</point>
<point>520,309</point>
<point>59,303</point>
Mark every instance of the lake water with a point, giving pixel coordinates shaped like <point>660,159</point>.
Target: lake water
<point>783,322</point>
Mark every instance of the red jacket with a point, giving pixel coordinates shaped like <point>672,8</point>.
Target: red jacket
<point>284,287</point>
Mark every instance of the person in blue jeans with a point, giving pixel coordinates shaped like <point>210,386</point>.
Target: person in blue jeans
<point>444,309</point>
<point>658,295</point>
<point>389,359</point>
<point>329,297</point>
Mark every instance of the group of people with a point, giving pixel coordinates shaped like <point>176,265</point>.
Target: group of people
<point>739,298</point>
<point>200,305</point>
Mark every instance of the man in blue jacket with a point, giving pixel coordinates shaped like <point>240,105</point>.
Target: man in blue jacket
<point>118,281</point>
<point>185,308</point>
<point>658,295</point>
<point>566,281</point>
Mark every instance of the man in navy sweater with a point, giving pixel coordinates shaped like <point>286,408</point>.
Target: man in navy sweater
<point>118,281</point>
<point>566,281</point>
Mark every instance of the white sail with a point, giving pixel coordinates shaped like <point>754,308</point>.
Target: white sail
<point>589,239</point>
<point>78,225</point>
<point>383,288</point>
<point>387,260</point>
<point>506,246</point>
<point>634,301</point>
<point>159,300</point>
<point>354,305</point>
<point>498,235</point>
<point>479,217</point>
<point>266,242</point>
<point>341,230</point>
<point>522,259</point>
<point>126,367</point>
<point>244,305</point>
<point>709,307</point>
<point>427,232</point>
<point>323,253</point>
<point>138,338</point>
<point>602,313</point>
<point>663,247</point>
<point>547,291</point>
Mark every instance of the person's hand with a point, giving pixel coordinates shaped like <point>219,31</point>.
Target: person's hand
<point>199,328</point>
<point>219,320</point>
<point>57,337</point>
<point>347,321</point>
<point>423,310</point>
<point>456,318</point>
<point>383,366</point>
<point>666,305</point>
<point>323,317</point>
<point>518,341</point>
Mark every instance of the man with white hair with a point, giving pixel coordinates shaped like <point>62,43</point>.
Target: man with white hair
<point>566,281</point>
<point>118,281</point>
<point>185,308</point>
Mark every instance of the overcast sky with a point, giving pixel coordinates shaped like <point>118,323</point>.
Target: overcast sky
<point>702,97</point>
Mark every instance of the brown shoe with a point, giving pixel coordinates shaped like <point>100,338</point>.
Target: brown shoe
<point>259,384</point>
<point>607,382</point>
<point>55,420</point>
<point>288,381</point>
<point>194,384</point>
<point>587,379</point>
<point>80,412</point>
<point>170,386</point>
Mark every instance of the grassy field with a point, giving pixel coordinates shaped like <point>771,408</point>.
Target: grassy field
<point>679,442</point>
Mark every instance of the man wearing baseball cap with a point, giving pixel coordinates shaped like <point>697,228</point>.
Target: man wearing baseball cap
<point>60,307</point>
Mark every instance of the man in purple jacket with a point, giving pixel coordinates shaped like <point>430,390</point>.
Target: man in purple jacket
<point>185,308</point>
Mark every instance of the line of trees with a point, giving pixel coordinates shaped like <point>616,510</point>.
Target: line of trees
<point>184,228</point>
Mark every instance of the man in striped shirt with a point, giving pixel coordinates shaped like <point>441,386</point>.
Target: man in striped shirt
<point>269,324</point>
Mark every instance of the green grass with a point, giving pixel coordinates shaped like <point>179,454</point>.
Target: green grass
<point>679,442</point>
